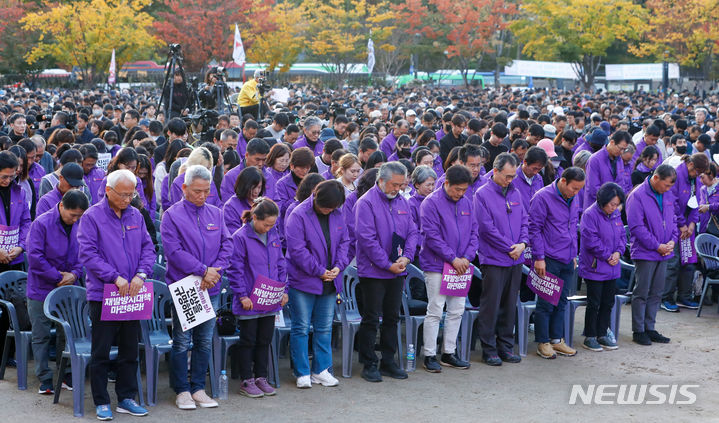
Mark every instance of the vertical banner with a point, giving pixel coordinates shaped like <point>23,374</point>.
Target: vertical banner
<point>113,71</point>
<point>686,250</point>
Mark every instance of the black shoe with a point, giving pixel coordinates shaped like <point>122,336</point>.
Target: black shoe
<point>641,338</point>
<point>657,337</point>
<point>510,357</point>
<point>392,370</point>
<point>492,360</point>
<point>452,360</point>
<point>371,374</point>
<point>432,365</point>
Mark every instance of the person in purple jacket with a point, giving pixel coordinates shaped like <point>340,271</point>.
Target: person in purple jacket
<point>472,157</point>
<point>93,175</point>
<point>603,241</point>
<point>317,244</point>
<point>653,233</point>
<point>14,216</point>
<point>678,287</point>
<point>387,146</point>
<point>52,262</point>
<point>449,235</point>
<point>71,177</point>
<point>651,137</point>
<point>387,239</point>
<point>423,180</point>
<point>115,248</point>
<point>301,162</point>
<point>196,243</point>
<point>528,180</point>
<point>605,166</point>
<point>199,156</point>
<point>35,172</point>
<point>257,251</point>
<point>311,137</point>
<point>256,155</point>
<point>553,220</point>
<point>249,186</point>
<point>502,232</point>
<point>709,197</point>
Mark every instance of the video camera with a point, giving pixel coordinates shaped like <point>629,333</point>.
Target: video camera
<point>207,120</point>
<point>47,116</point>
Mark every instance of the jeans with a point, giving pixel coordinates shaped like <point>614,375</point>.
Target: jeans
<point>104,334</point>
<point>452,321</point>
<point>600,301</point>
<point>548,318</point>
<point>679,279</point>
<point>381,297</point>
<point>200,338</point>
<point>317,310</point>
<point>41,326</point>
<point>254,347</point>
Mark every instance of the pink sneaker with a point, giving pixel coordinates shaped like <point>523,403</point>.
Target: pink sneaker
<point>249,389</point>
<point>264,386</point>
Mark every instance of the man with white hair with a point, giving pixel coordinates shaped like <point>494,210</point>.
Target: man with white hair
<point>115,248</point>
<point>249,98</point>
<point>198,243</point>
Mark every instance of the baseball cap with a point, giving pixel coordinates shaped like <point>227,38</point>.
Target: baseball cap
<point>73,174</point>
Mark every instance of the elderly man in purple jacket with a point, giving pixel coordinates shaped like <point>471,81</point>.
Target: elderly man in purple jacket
<point>606,165</point>
<point>196,243</point>
<point>553,219</point>
<point>115,248</point>
<point>387,239</point>
<point>653,233</point>
<point>52,262</point>
<point>502,232</point>
<point>317,244</point>
<point>528,180</point>
<point>678,287</point>
<point>449,235</point>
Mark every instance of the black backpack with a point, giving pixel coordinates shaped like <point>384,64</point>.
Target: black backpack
<point>226,325</point>
<point>17,298</point>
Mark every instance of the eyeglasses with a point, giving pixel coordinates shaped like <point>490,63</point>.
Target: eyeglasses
<point>125,196</point>
<point>6,177</point>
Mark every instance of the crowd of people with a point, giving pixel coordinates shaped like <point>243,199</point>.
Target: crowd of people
<point>375,179</point>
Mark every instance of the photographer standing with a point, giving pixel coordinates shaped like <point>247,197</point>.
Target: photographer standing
<point>249,98</point>
<point>180,95</point>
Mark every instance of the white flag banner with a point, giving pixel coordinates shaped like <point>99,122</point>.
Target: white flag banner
<point>370,56</point>
<point>111,77</point>
<point>238,51</point>
<point>192,304</point>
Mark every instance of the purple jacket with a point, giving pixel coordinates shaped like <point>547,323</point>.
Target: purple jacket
<point>93,180</point>
<point>271,178</point>
<point>250,259</point>
<point>641,145</point>
<point>227,187</point>
<point>599,172</point>
<point>112,246</point>
<point>498,228</point>
<point>36,172</point>
<point>176,192</point>
<point>232,211</point>
<point>626,184</point>
<point>194,239</point>
<point>307,250</point>
<point>602,236</point>
<point>387,144</point>
<point>48,201</point>
<point>285,191</point>
<point>650,225</point>
<point>302,142</point>
<point>449,231</point>
<point>414,202</point>
<point>50,251</point>
<point>553,225</point>
<point>241,145</point>
<point>527,191</point>
<point>19,218</point>
<point>377,219</point>
<point>348,211</point>
<point>682,191</point>
<point>437,166</point>
<point>582,147</point>
<point>713,201</point>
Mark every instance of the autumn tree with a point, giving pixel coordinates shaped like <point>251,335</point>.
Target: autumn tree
<point>462,29</point>
<point>338,30</point>
<point>687,31</point>
<point>577,31</point>
<point>281,44</point>
<point>15,41</point>
<point>83,34</point>
<point>206,28</point>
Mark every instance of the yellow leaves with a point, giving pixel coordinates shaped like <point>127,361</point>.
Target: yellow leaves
<point>283,44</point>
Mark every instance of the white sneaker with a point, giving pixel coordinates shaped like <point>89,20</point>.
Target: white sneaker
<point>325,379</point>
<point>203,400</point>
<point>304,382</point>
<point>184,401</point>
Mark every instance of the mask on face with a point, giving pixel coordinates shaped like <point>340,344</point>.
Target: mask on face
<point>670,151</point>
<point>682,149</point>
<point>555,163</point>
<point>97,112</point>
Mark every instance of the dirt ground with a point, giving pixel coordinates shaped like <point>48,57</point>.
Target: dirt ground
<point>534,390</point>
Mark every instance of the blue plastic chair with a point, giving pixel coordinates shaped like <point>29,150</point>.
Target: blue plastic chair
<point>221,344</point>
<point>12,280</point>
<point>280,338</point>
<point>158,272</point>
<point>67,306</point>
<point>707,247</point>
<point>466,329</point>
<point>411,323</point>
<point>156,341</point>
<point>524,311</point>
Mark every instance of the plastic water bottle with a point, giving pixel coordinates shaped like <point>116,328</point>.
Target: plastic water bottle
<point>223,385</point>
<point>411,363</point>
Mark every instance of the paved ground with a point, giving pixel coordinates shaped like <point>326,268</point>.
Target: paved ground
<point>535,390</point>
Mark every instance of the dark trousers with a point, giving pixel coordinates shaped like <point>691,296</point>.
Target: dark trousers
<point>600,301</point>
<point>498,308</point>
<point>254,346</point>
<point>4,317</point>
<point>127,334</point>
<point>380,297</point>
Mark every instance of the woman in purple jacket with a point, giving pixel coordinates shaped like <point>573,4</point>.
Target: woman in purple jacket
<point>603,242</point>
<point>317,245</point>
<point>250,185</point>
<point>257,251</point>
<point>708,197</point>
